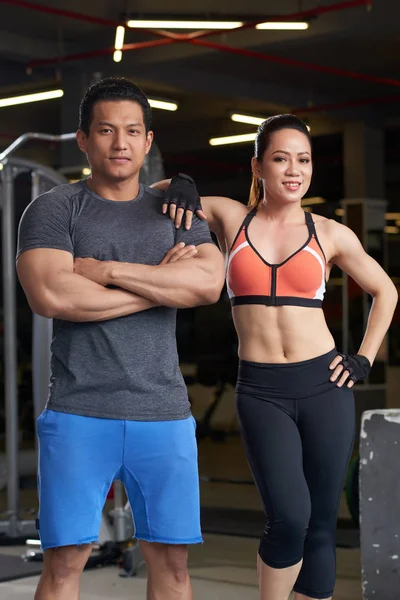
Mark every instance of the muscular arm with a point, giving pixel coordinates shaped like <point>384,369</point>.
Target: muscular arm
<point>53,290</point>
<point>182,284</point>
<point>351,257</point>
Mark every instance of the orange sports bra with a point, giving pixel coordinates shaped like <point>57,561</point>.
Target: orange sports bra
<point>297,281</point>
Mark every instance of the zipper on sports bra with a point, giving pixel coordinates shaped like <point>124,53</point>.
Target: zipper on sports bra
<point>273,285</point>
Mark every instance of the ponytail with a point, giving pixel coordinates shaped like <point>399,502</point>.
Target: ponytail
<point>256,192</point>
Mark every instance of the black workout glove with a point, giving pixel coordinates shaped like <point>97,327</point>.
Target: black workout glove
<point>357,365</point>
<point>182,192</point>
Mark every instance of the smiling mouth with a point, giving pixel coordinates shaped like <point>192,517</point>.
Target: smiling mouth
<point>292,185</point>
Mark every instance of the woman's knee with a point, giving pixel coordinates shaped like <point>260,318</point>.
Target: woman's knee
<point>282,543</point>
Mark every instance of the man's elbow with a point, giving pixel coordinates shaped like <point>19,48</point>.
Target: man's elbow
<point>46,306</point>
<point>212,289</point>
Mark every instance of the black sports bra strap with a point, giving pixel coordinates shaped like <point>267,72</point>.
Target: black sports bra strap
<point>245,223</point>
<point>249,217</point>
<point>310,224</point>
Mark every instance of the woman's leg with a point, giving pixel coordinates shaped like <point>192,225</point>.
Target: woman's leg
<point>326,425</point>
<point>273,448</point>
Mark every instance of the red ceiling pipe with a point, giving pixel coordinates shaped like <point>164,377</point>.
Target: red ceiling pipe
<point>177,36</point>
<point>69,14</point>
<point>95,53</point>
<point>350,104</point>
<point>304,14</point>
<point>298,63</point>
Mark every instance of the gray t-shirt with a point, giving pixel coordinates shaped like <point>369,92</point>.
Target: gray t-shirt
<point>124,368</point>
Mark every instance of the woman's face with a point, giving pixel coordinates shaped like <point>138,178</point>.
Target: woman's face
<point>286,166</point>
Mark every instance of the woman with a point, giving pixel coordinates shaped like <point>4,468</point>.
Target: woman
<point>294,398</point>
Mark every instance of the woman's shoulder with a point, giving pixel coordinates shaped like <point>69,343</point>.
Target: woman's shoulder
<point>330,226</point>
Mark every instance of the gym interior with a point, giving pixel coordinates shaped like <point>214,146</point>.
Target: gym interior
<point>213,72</point>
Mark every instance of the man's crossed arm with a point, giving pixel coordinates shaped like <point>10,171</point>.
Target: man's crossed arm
<point>180,283</point>
<point>55,290</point>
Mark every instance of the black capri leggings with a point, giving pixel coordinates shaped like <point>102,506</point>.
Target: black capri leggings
<point>298,432</point>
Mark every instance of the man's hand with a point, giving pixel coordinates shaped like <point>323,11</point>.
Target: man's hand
<point>95,270</point>
<point>179,252</point>
<point>99,270</point>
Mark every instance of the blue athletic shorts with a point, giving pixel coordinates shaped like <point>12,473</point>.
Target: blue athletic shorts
<point>79,458</point>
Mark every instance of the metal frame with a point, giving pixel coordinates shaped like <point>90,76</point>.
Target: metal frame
<point>13,527</point>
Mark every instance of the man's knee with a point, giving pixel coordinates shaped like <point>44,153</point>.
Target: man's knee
<point>65,563</point>
<point>169,559</point>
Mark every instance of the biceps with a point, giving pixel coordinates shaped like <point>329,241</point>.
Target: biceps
<point>211,259</point>
<point>39,269</point>
<point>365,271</point>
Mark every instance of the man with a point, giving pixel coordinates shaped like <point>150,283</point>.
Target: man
<point>101,259</point>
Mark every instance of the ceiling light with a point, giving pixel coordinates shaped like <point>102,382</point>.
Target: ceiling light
<point>238,118</point>
<point>250,120</point>
<point>233,139</point>
<point>392,216</point>
<point>119,37</point>
<point>391,229</point>
<point>86,171</point>
<point>31,98</point>
<point>119,43</point>
<point>311,201</point>
<point>162,104</point>
<point>339,212</point>
<point>285,26</point>
<point>163,24</point>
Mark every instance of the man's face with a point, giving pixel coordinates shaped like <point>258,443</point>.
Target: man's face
<point>117,143</point>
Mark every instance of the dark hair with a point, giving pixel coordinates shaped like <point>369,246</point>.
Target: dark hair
<point>263,139</point>
<point>112,88</point>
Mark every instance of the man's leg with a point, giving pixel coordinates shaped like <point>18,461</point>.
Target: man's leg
<point>61,573</point>
<point>162,481</point>
<point>168,578</point>
<point>78,460</point>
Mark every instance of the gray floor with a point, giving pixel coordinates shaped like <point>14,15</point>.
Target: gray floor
<point>222,568</point>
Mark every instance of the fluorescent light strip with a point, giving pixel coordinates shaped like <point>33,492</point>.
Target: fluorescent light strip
<point>283,26</point>
<point>238,118</point>
<point>147,24</point>
<point>14,101</point>
<point>162,105</point>
<point>119,37</point>
<point>250,120</point>
<point>233,139</point>
<point>31,98</point>
<point>117,56</point>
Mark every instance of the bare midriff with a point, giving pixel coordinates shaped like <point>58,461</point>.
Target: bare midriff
<point>281,334</point>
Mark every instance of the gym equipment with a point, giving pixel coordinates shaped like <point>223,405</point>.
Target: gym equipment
<point>46,177</point>
<point>379,503</point>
